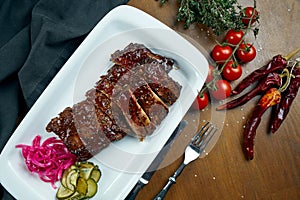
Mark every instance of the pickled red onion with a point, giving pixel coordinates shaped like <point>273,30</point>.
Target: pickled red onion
<point>48,159</point>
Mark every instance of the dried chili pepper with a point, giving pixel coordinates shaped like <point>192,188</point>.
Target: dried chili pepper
<point>276,64</point>
<point>272,80</point>
<point>271,98</point>
<point>282,109</point>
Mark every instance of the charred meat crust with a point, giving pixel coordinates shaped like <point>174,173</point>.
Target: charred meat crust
<point>134,54</point>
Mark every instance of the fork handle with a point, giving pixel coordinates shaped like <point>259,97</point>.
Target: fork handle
<point>172,180</point>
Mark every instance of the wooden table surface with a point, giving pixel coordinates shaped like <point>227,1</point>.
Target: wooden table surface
<point>225,173</point>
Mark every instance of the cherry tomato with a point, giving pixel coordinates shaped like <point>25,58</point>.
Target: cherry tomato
<point>247,14</point>
<point>221,53</point>
<point>200,102</point>
<point>246,52</point>
<point>234,37</point>
<point>223,90</point>
<point>232,71</point>
<point>210,75</point>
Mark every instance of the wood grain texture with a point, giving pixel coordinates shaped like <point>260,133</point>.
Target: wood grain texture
<point>225,173</point>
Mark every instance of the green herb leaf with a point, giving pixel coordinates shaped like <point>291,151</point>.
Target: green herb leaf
<point>219,15</point>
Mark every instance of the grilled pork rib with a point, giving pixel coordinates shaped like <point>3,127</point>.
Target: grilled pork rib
<point>132,98</point>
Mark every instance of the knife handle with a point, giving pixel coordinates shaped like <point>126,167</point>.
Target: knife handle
<point>133,193</point>
<point>161,195</point>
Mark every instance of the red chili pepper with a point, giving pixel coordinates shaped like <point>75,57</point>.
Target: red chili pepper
<point>278,63</point>
<point>271,98</point>
<point>272,80</point>
<point>282,109</point>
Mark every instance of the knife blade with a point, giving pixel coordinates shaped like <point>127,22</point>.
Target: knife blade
<point>156,162</point>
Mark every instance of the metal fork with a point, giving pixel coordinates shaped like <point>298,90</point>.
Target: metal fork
<point>192,152</point>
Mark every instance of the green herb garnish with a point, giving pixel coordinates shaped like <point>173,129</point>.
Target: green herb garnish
<point>219,15</point>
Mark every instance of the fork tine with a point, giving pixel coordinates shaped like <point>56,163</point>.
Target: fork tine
<point>199,134</point>
<point>211,134</point>
<point>205,134</point>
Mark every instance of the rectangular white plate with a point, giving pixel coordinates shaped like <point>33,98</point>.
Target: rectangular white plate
<point>117,29</point>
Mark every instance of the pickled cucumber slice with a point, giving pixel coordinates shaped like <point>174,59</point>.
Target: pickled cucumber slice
<point>72,177</point>
<point>86,164</point>
<point>82,186</point>
<point>63,193</point>
<point>92,188</point>
<point>66,176</point>
<point>96,174</point>
<point>76,196</point>
<point>86,169</point>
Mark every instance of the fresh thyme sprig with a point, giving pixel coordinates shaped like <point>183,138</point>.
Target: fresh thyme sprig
<point>219,15</point>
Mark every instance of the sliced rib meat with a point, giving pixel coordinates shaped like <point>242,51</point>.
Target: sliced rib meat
<point>161,83</point>
<point>90,131</point>
<point>135,53</point>
<point>132,98</point>
<point>140,104</point>
<point>153,106</point>
<point>80,132</point>
<point>139,122</point>
<point>103,103</point>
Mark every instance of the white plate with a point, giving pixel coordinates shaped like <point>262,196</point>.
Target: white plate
<point>118,28</point>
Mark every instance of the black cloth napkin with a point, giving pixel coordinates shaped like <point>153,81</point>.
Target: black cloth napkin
<point>36,39</point>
